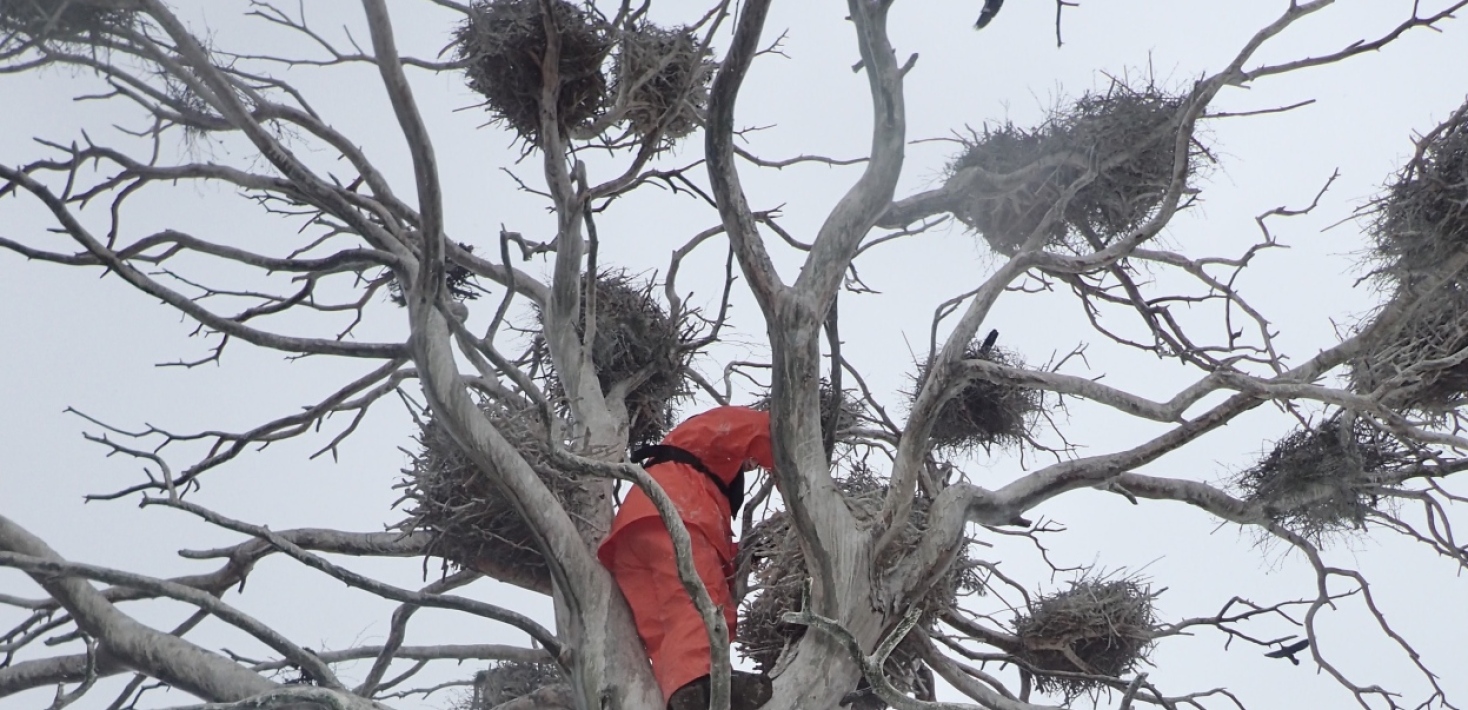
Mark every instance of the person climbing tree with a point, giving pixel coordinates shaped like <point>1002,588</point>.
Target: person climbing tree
<point>701,465</point>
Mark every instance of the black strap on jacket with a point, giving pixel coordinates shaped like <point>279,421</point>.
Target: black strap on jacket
<point>649,456</point>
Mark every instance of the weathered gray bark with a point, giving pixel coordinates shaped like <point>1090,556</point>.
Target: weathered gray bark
<point>127,642</point>
<point>838,555</point>
<point>853,605</point>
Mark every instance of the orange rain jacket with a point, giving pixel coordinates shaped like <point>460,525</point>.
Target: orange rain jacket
<point>639,550</point>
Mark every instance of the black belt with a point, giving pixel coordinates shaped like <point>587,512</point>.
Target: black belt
<point>649,456</point>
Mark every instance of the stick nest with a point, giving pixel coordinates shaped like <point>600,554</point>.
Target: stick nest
<point>466,516</point>
<point>1422,220</point>
<point>984,414</point>
<point>635,342</point>
<point>458,279</point>
<point>851,411</point>
<point>1420,234</point>
<point>662,81</point>
<point>1122,141</point>
<point>503,43</point>
<point>1326,479</point>
<point>1096,627</point>
<point>1418,361</point>
<point>71,22</point>
<point>504,681</point>
<point>779,576</point>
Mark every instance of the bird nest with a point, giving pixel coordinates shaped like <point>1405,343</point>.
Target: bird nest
<point>850,411</point>
<point>636,342</point>
<point>504,681</point>
<point>984,414</point>
<point>1422,220</point>
<point>1420,361</point>
<point>466,516</point>
<point>502,44</point>
<point>458,280</point>
<point>1122,142</point>
<point>662,80</point>
<point>73,22</point>
<point>1420,233</point>
<point>1097,627</point>
<point>780,576</point>
<point>1325,479</point>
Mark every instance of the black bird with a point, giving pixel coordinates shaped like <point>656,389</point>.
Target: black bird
<point>988,343</point>
<point>1290,651</point>
<point>991,8</point>
<point>863,698</point>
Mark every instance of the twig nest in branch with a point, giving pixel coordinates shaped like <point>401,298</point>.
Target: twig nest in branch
<point>1097,627</point>
<point>458,280</point>
<point>779,576</point>
<point>66,21</point>
<point>503,43</point>
<point>1326,479</point>
<point>849,410</point>
<point>1421,222</point>
<point>1420,234</point>
<point>636,345</point>
<point>662,81</point>
<point>1114,150</point>
<point>196,116</point>
<point>1420,360</point>
<point>504,681</point>
<point>467,516</point>
<point>984,414</point>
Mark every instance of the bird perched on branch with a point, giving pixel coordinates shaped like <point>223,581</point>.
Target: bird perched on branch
<point>988,343</point>
<point>1290,651</point>
<point>991,8</point>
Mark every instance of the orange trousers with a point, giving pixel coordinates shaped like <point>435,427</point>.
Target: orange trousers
<point>641,559</point>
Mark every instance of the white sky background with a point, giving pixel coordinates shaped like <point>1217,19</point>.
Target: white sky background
<point>74,340</point>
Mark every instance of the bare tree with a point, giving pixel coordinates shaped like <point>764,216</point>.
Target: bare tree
<point>860,554</point>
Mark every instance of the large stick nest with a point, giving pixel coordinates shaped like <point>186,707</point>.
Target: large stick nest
<point>662,80</point>
<point>780,575</point>
<point>1326,479</point>
<point>504,681</point>
<point>849,410</point>
<point>467,517</point>
<point>1418,362</point>
<point>1422,220</point>
<point>1122,141</point>
<point>635,342</point>
<point>1420,233</point>
<point>983,414</point>
<point>71,22</point>
<point>503,43</point>
<point>1096,627</point>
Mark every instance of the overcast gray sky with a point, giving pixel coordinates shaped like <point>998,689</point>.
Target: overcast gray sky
<point>71,339</point>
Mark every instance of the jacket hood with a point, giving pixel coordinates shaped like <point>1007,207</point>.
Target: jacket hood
<point>724,438</point>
